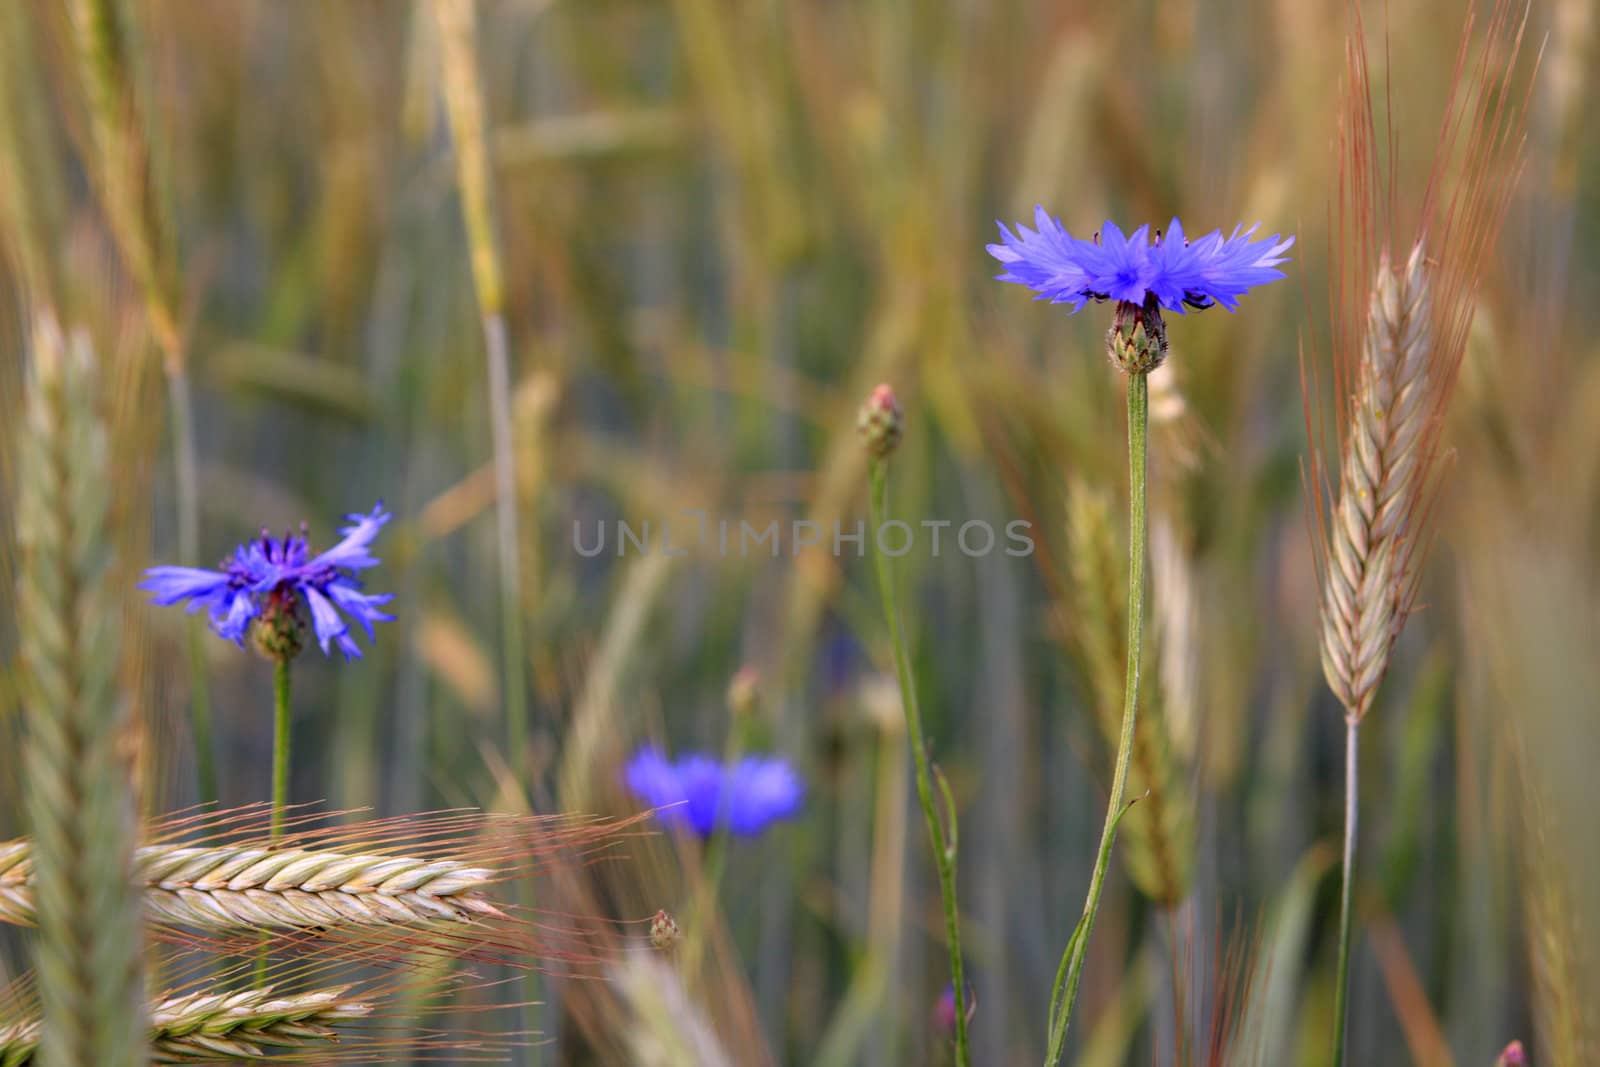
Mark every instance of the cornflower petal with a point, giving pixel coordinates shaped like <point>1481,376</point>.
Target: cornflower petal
<point>1130,268</point>
<point>351,553</point>
<point>699,793</point>
<point>168,585</point>
<point>233,620</point>
<point>358,605</point>
<point>650,777</point>
<point>768,789</point>
<point>326,622</point>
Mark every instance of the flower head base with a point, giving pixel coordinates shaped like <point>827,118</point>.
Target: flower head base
<point>879,422</point>
<point>701,794</point>
<point>268,584</point>
<point>278,629</point>
<point>1172,271</point>
<point>1137,340</point>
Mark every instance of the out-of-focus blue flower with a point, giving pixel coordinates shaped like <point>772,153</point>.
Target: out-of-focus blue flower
<point>1130,268</point>
<point>699,793</point>
<point>267,574</point>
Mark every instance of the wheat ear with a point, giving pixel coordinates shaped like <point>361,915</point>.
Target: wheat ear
<point>212,1027</point>
<point>1160,828</point>
<point>1369,579</point>
<point>78,789</point>
<point>233,887</point>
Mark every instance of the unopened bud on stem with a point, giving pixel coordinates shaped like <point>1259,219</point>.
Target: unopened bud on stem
<point>880,422</point>
<point>1513,1056</point>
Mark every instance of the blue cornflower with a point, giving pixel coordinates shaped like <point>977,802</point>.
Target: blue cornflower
<point>268,579</point>
<point>1171,271</point>
<point>700,793</point>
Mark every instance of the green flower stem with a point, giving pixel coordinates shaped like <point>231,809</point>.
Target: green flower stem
<point>1071,971</point>
<point>280,745</point>
<point>280,780</point>
<point>1341,990</point>
<point>944,848</point>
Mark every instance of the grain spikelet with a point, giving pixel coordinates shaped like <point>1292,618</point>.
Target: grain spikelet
<point>1388,441</point>
<point>1177,624</point>
<point>1160,828</point>
<point>444,876</point>
<point>265,888</point>
<point>78,792</point>
<point>1398,333</point>
<point>211,1027</point>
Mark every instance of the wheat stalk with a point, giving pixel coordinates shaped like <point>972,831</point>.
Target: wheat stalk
<point>231,887</point>
<point>1160,828</point>
<point>212,1027</point>
<point>120,165</point>
<point>1399,362</point>
<point>1369,580</point>
<point>79,793</point>
<point>469,130</point>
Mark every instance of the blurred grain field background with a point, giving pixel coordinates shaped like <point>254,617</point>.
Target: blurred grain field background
<point>716,225</point>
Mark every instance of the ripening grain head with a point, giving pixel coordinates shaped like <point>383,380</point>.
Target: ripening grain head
<point>1402,301</point>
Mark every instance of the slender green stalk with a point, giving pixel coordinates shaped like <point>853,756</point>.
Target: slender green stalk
<point>1341,996</point>
<point>181,406</point>
<point>944,848</point>
<point>280,778</point>
<point>1070,973</point>
<point>469,129</point>
<point>280,745</point>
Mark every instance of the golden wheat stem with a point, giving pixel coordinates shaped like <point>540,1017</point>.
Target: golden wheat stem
<point>464,103</point>
<point>1341,990</point>
<point>79,789</point>
<point>236,887</point>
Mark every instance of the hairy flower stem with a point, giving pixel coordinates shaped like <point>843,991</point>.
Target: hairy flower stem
<point>944,845</point>
<point>1341,997</point>
<point>1071,971</point>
